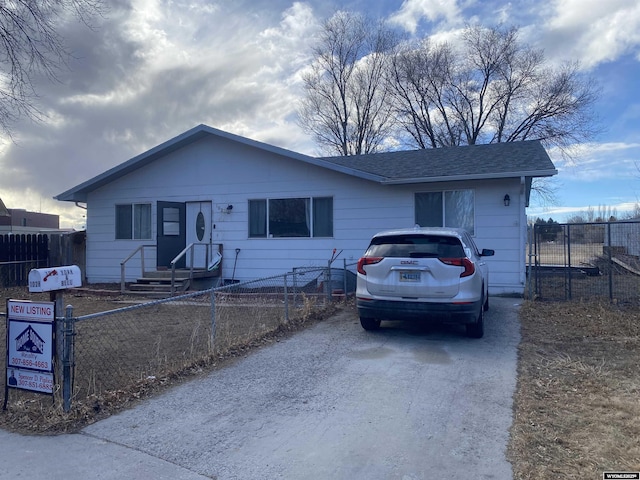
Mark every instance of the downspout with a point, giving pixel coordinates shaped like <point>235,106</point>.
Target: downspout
<point>522,203</point>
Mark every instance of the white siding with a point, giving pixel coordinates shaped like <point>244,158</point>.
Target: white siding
<point>225,172</point>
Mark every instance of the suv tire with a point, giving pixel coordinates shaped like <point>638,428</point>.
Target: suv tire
<point>476,329</point>
<point>370,323</point>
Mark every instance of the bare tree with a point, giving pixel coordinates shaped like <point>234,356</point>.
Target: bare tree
<point>420,79</point>
<point>31,45</point>
<point>346,107</point>
<point>491,89</point>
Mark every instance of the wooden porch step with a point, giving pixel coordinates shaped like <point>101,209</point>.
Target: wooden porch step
<point>160,281</point>
<point>157,284</point>
<point>156,287</point>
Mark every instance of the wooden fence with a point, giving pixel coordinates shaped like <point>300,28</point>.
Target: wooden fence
<point>19,253</point>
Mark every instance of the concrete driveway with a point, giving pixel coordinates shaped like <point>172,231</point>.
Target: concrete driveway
<point>331,402</point>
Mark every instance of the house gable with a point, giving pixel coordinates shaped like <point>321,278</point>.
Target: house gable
<point>79,192</point>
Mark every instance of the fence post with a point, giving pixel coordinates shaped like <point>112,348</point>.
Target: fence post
<point>68,358</point>
<point>536,251</point>
<point>327,283</point>
<point>610,262</point>
<point>286,300</point>
<point>213,319</point>
<point>344,277</point>
<point>529,275</point>
<point>569,261</point>
<point>295,287</point>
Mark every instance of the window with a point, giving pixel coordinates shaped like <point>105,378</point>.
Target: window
<point>291,217</point>
<point>452,208</point>
<point>133,221</point>
<point>170,221</point>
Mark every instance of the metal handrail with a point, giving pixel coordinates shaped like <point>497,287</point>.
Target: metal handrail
<point>189,249</point>
<point>123,264</point>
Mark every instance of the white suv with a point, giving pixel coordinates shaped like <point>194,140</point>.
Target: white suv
<point>423,272</point>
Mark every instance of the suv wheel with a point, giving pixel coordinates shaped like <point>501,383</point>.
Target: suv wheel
<point>370,323</point>
<point>476,329</point>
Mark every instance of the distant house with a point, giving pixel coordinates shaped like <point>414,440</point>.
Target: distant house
<point>16,220</point>
<point>273,209</point>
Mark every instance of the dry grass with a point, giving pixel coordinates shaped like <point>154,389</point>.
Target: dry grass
<point>577,408</point>
<point>556,253</point>
<point>128,355</point>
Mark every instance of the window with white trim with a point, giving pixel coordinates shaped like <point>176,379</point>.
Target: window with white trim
<point>291,217</point>
<point>133,221</point>
<point>449,208</point>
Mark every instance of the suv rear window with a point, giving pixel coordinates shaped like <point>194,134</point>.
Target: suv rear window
<point>415,246</point>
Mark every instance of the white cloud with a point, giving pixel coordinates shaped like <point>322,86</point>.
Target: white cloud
<point>413,11</point>
<point>151,72</point>
<point>591,30</point>
<point>594,162</point>
<point>564,213</point>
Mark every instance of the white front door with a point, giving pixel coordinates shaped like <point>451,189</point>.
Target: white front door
<point>199,221</point>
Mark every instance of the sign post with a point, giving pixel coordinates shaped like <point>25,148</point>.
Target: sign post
<point>34,339</point>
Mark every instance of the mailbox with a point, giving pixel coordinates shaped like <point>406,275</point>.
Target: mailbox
<point>55,278</point>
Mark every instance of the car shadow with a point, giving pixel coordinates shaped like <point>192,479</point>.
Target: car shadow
<point>422,328</point>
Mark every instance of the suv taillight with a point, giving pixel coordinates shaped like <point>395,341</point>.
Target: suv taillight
<point>367,261</point>
<point>468,265</point>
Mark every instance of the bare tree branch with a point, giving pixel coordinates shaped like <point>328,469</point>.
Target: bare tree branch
<point>493,89</point>
<point>30,45</point>
<point>346,107</point>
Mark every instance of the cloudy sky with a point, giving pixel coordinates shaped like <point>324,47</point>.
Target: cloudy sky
<point>152,69</point>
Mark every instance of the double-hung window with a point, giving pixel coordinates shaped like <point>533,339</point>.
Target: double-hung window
<point>450,208</point>
<point>291,217</point>
<point>133,221</point>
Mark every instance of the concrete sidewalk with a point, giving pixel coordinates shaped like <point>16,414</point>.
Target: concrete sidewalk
<point>79,456</point>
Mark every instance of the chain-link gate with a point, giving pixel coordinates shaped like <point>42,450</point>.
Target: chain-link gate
<point>585,261</point>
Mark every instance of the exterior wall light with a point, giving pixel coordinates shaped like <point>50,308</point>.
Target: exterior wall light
<point>507,200</point>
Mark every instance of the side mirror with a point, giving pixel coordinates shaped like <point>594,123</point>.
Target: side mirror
<point>486,252</point>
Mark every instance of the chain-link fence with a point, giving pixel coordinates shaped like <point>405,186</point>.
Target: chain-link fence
<point>127,348</point>
<point>585,261</point>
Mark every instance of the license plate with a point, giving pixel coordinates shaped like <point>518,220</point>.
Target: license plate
<point>409,276</point>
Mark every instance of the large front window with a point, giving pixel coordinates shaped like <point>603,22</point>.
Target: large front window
<point>450,208</point>
<point>291,217</point>
<point>133,221</point>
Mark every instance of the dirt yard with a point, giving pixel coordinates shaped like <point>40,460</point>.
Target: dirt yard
<point>576,409</point>
<point>139,350</point>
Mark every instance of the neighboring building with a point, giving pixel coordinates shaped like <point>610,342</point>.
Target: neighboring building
<point>3,210</point>
<point>273,209</point>
<point>16,220</point>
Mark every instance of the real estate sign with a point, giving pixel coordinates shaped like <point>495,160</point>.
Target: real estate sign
<point>30,345</point>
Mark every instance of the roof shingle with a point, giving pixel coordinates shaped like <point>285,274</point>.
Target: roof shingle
<point>497,160</point>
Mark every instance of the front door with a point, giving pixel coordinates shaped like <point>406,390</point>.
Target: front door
<point>199,220</point>
<point>171,233</point>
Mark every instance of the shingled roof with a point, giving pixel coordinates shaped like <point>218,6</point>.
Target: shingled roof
<point>497,160</point>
